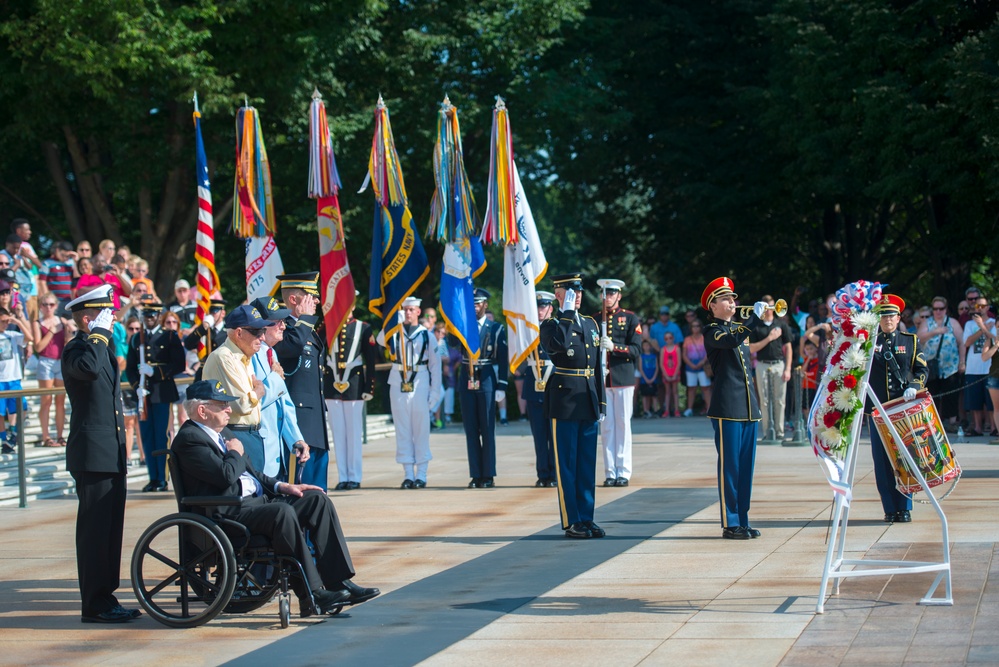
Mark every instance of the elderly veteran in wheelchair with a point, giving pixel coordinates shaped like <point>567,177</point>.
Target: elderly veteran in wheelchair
<point>211,464</point>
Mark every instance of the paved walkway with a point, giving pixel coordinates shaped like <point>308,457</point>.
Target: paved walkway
<point>480,577</point>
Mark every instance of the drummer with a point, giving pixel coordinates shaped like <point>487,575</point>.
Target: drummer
<point>898,371</point>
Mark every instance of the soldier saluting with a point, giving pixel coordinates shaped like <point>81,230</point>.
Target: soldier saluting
<point>574,402</point>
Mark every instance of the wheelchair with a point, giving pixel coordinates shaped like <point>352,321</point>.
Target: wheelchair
<point>189,567</point>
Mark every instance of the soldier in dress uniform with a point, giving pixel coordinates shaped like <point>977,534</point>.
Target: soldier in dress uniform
<point>480,388</point>
<point>622,347</point>
<point>155,356</point>
<point>734,410</point>
<point>95,455</point>
<point>215,322</point>
<point>533,394</point>
<point>898,371</point>
<point>574,402</point>
<point>302,354</point>
<point>349,382</point>
<point>414,386</point>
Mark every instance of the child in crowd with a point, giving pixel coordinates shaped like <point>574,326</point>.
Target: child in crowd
<point>649,379</point>
<point>11,372</point>
<point>810,381</point>
<point>671,376</point>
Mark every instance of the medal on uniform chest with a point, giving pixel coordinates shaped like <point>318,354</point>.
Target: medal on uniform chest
<point>406,387</point>
<point>341,386</point>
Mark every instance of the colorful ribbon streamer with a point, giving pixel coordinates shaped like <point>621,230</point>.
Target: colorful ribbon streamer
<point>254,213</point>
<point>324,179</point>
<point>452,210</point>
<point>500,225</point>
<point>384,169</point>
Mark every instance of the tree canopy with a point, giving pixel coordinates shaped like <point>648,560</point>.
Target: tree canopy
<point>781,142</point>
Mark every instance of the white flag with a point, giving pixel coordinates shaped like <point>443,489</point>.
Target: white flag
<point>263,266</point>
<point>525,266</point>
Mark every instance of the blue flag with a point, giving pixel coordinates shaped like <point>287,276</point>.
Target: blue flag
<point>398,263</point>
<point>463,262</point>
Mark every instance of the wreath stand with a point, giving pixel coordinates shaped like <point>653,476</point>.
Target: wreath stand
<point>835,563</point>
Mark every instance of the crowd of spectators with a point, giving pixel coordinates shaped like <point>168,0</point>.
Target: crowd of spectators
<point>674,377</point>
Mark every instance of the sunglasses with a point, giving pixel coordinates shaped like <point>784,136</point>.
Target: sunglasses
<point>49,305</point>
<point>256,333</point>
<point>939,307</point>
<point>981,306</point>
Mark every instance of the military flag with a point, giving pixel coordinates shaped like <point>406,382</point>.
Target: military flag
<point>454,222</point>
<point>336,284</point>
<point>204,240</point>
<point>398,260</point>
<point>263,266</point>
<point>509,221</point>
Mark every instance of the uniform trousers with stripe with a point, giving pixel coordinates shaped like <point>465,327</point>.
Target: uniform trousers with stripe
<point>541,431</point>
<point>153,432</point>
<point>347,424</point>
<point>576,462</point>
<point>735,442</point>
<point>892,500</point>
<point>615,432</point>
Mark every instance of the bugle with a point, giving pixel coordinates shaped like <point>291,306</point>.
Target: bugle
<point>779,308</point>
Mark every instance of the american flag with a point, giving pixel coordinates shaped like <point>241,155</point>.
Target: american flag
<point>204,250</point>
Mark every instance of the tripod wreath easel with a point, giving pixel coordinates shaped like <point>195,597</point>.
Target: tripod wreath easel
<point>835,424</point>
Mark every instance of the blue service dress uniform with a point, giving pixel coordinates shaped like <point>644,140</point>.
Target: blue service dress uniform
<point>95,456</point>
<point>164,351</point>
<point>889,381</point>
<point>574,401</point>
<point>302,354</point>
<point>541,428</point>
<point>478,405</point>
<point>734,414</point>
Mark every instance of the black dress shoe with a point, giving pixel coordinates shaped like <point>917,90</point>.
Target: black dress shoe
<point>541,483</point>
<point>578,531</point>
<point>595,530</point>
<point>552,483</point>
<point>406,484</point>
<point>890,518</point>
<point>735,533</point>
<point>753,533</point>
<point>420,484</point>
<point>323,602</point>
<point>475,484</point>
<point>487,483</point>
<point>903,517</point>
<point>133,613</point>
<point>113,615</point>
<point>146,489</point>
<point>359,594</point>
<point>621,481</point>
<point>353,485</point>
<point>342,486</point>
<point>162,486</point>
<point>610,481</point>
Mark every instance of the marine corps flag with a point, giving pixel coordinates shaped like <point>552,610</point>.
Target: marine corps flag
<point>336,284</point>
<point>398,260</point>
<point>454,221</point>
<point>509,222</point>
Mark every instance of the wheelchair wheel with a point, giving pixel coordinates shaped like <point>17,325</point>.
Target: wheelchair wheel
<point>284,610</point>
<point>183,570</point>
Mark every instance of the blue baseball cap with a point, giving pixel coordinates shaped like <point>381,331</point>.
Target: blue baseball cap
<point>206,390</point>
<point>246,317</point>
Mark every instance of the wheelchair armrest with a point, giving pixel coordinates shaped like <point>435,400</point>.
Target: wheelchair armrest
<point>161,452</point>
<point>211,501</point>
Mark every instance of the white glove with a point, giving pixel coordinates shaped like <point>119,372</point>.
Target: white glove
<point>500,395</point>
<point>146,369</point>
<point>602,418</point>
<point>760,307</point>
<point>606,344</point>
<point>909,394</point>
<point>366,397</point>
<point>104,320</point>
<point>142,392</point>
<point>569,301</point>
<point>209,322</point>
